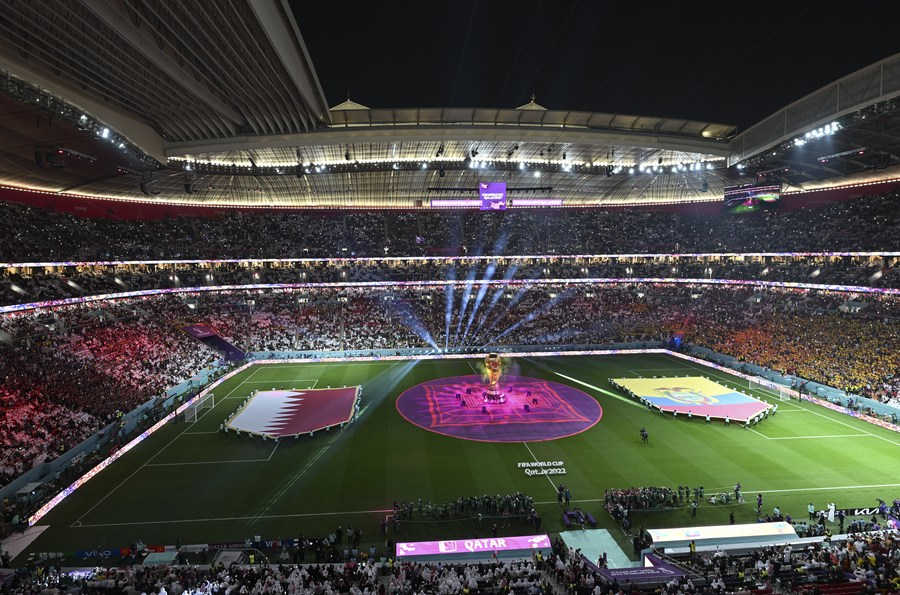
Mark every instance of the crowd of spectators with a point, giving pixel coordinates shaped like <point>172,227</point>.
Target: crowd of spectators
<point>68,371</point>
<point>66,375</point>
<point>40,284</point>
<point>867,223</point>
<point>522,577</point>
<point>872,559</point>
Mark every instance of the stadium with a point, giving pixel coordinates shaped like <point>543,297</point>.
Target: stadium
<point>256,340</point>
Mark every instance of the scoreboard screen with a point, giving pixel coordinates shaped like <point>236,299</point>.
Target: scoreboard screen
<point>492,195</point>
<point>747,197</point>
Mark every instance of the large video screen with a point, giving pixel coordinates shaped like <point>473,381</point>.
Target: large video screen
<point>492,195</point>
<point>749,197</point>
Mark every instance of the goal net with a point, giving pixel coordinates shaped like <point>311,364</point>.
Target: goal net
<point>197,409</point>
<point>769,388</point>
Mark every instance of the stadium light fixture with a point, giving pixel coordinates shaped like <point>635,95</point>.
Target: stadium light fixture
<point>104,133</point>
<point>522,165</point>
<point>631,170</point>
<point>537,174</point>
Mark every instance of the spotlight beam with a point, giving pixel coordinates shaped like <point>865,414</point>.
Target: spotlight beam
<point>401,309</point>
<point>489,274</point>
<point>464,305</point>
<point>510,272</point>
<point>532,315</point>
<point>499,247</point>
<point>448,312</point>
<point>512,304</point>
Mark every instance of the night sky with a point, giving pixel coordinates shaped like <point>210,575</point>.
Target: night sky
<point>584,56</point>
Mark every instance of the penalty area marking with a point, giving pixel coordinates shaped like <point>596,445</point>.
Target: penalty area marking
<point>265,460</point>
<point>806,409</point>
<point>160,451</point>
<point>812,437</point>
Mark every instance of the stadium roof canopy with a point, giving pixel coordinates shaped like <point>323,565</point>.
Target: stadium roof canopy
<point>218,103</point>
<point>168,71</point>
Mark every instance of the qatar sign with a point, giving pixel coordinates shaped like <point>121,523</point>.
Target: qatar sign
<point>473,546</point>
<point>492,195</point>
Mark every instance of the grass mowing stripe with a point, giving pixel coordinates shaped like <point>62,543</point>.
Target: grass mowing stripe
<point>272,501</point>
<point>388,467</point>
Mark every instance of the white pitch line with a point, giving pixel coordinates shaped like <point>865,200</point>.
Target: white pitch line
<point>207,462</point>
<point>235,518</point>
<point>159,452</point>
<point>313,380</point>
<point>555,489</point>
<point>759,433</point>
<point>783,491</point>
<point>602,390</point>
<point>807,409</point>
<point>323,365</point>
<point>859,487</point>
<point>815,437</point>
<point>265,460</point>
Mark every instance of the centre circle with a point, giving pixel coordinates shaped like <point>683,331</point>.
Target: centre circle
<point>531,409</point>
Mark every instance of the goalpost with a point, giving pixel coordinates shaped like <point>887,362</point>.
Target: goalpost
<point>782,393</point>
<point>197,410</point>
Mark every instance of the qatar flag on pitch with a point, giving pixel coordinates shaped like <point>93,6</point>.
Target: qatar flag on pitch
<point>279,413</point>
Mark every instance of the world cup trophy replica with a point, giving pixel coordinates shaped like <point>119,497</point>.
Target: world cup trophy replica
<point>493,368</point>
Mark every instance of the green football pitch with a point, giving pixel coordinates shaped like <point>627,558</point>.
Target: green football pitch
<point>190,483</point>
